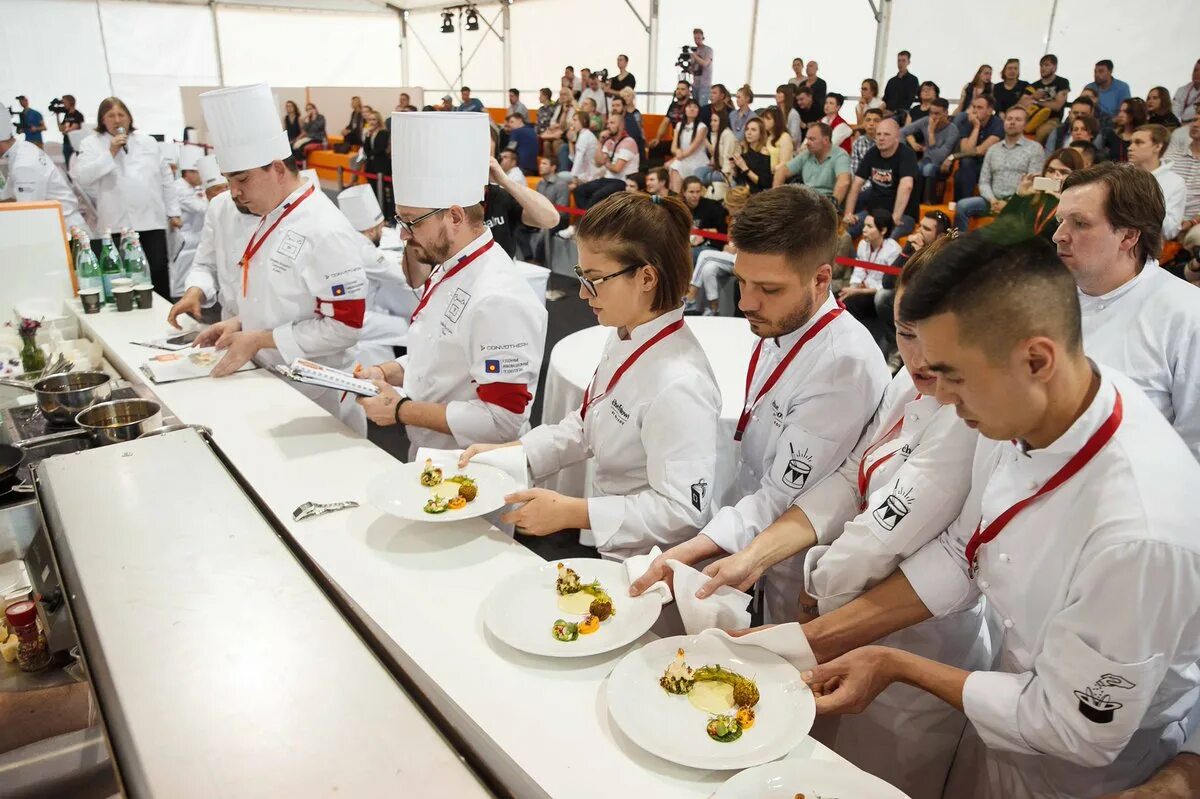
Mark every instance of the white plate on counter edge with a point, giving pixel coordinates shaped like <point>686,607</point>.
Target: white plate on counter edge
<point>667,725</point>
<point>816,779</point>
<point>399,492</point>
<point>522,609</point>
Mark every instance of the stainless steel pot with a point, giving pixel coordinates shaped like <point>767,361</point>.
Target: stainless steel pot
<point>61,397</point>
<point>109,423</point>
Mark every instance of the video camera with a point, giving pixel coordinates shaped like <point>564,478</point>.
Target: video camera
<point>57,106</point>
<point>602,74</point>
<point>684,61</point>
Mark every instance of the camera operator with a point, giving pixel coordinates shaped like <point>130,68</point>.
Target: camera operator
<point>701,66</point>
<point>72,119</point>
<point>30,122</point>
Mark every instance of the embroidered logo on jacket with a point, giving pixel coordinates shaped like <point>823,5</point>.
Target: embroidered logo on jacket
<point>798,469</point>
<point>491,366</point>
<point>894,508</point>
<point>458,304</point>
<point>1096,704</point>
<point>291,244</point>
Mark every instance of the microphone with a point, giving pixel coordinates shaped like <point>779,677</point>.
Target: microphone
<point>125,147</point>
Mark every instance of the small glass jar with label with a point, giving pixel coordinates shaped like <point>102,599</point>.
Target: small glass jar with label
<point>33,653</point>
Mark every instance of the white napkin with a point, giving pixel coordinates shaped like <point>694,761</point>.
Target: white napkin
<point>510,460</point>
<point>725,608</point>
<point>637,565</point>
<point>786,640</point>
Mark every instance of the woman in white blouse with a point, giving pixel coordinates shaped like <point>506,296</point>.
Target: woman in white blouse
<point>122,170</point>
<point>875,247</point>
<point>721,146</point>
<point>870,99</point>
<point>649,419</point>
<point>689,146</point>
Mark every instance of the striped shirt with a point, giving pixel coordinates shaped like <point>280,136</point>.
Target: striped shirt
<point>1187,165</point>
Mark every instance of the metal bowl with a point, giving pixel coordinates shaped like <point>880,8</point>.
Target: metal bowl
<point>61,397</point>
<point>120,420</point>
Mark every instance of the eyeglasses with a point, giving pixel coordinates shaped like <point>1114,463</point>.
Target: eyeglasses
<point>407,227</point>
<point>591,283</point>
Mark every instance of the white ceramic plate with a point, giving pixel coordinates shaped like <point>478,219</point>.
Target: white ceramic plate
<point>669,726</point>
<point>816,779</point>
<point>521,610</point>
<point>399,491</point>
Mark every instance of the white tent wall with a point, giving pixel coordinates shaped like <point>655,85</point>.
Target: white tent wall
<point>787,30</point>
<point>433,58</point>
<point>726,25</point>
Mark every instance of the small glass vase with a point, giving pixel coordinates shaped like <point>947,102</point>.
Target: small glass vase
<point>33,360</point>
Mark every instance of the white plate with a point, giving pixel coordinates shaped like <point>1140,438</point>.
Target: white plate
<point>669,726</point>
<point>814,778</point>
<point>521,610</point>
<point>399,491</point>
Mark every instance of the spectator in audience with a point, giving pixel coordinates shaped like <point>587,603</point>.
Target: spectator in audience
<point>819,90</point>
<point>984,129</point>
<point>1011,87</point>
<point>799,75</point>
<point>658,181</point>
<point>526,142</point>
<point>1187,96</point>
<point>718,100</point>
<point>1110,92</point>
<point>632,122</point>
<point>702,67</point>
<point>469,103</point>
<point>530,241</point>
<point>509,162</point>
<point>581,144</point>
<point>624,79</point>
<point>312,132</point>
<point>618,157</point>
<point>1031,212</point>
<point>30,122</point>
<point>869,100</point>
<point>1146,150</point>
<point>545,112</point>
<point>291,120</point>
<point>376,152</point>
<point>810,112</point>
<point>1102,116</point>
<point>660,143</point>
<point>447,104</point>
<point>752,163</point>
<point>980,84</point>
<point>866,141</point>
<point>720,147</point>
<point>352,133</point>
<point>1087,151</point>
<point>877,246</point>
<point>688,148</point>
<point>707,215</point>
<point>901,89</point>
<point>714,264</point>
<point>742,113</point>
<point>780,144</point>
<point>1003,167</point>
<point>822,167</point>
<point>633,118</point>
<point>785,102</point>
<point>932,227</point>
<point>1131,115</point>
<point>842,131</point>
<point>403,101</point>
<point>928,92</point>
<point>933,138</point>
<point>1185,160</point>
<point>570,80</point>
<point>892,169</point>
<point>515,106</point>
<point>1081,106</point>
<point>595,93</point>
<point>636,182</point>
<point>72,119</point>
<point>1049,97</point>
<point>1158,108</point>
<point>588,106</point>
<point>1085,128</point>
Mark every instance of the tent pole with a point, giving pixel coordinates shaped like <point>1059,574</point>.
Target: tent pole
<point>652,59</point>
<point>403,14</point>
<point>506,39</point>
<point>212,9</point>
<point>753,34</point>
<point>104,49</point>
<point>884,19</point>
<point>1050,27</point>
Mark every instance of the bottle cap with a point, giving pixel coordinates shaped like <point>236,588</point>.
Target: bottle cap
<point>21,614</point>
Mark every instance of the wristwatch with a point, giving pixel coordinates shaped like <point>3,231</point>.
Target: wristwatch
<point>400,405</point>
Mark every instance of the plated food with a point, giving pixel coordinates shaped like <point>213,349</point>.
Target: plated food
<point>809,779</point>
<point>453,493</point>
<point>586,599</point>
<point>728,697</point>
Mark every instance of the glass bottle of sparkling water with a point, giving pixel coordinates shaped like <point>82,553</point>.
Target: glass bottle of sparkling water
<point>87,268</point>
<point>137,268</point>
<point>110,265</point>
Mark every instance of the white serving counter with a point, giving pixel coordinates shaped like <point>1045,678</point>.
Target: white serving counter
<point>420,585</point>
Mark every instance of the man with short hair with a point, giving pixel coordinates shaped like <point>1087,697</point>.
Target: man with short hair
<point>1187,96</point>
<point>657,182</point>
<point>515,106</point>
<point>661,140</point>
<point>871,119</point>
<point>933,226</point>
<point>617,156</point>
<point>933,138</point>
<point>740,115</point>
<point>595,92</point>
<point>1186,163</point>
<point>526,140</point>
<point>806,104</point>
<point>718,100</point>
<point>901,89</point>
<point>814,382</point>
<point>1087,151</point>
<point>701,66</point>
<point>707,215</point>
<point>1003,167</point>
<point>1146,149</point>
<point>469,103</point>
<point>624,79</point>
<point>1110,92</point>
<point>508,162</point>
<point>631,122</point>
<point>822,167</point>
<point>984,130</point>
<point>1050,92</point>
<point>1136,316</point>
<point>928,92</point>
<point>72,119</point>
<point>1082,106</point>
<point>28,175</point>
<point>1095,673</point>
<point>30,122</point>
<point>842,131</point>
<point>556,189</point>
<point>891,167</point>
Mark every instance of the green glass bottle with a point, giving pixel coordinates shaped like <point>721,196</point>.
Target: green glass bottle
<point>110,264</point>
<point>87,268</point>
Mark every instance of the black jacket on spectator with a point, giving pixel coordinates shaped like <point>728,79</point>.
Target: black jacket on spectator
<point>1007,98</point>
<point>709,215</point>
<point>375,148</point>
<point>355,125</point>
<point>503,215</point>
<point>885,175</point>
<point>901,92</point>
<point>760,164</point>
<point>292,127</point>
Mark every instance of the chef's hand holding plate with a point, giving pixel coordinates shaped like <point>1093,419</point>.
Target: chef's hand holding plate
<point>544,511</point>
<point>849,683</point>
<point>740,570</point>
<point>240,346</point>
<point>381,409</point>
<point>689,552</point>
<point>478,449</point>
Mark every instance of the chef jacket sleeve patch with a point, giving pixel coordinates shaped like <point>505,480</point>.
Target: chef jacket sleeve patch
<point>512,397</point>
<point>349,312</point>
<point>801,459</point>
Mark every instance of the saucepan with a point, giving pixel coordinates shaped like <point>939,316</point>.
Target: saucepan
<point>61,397</point>
<point>110,422</point>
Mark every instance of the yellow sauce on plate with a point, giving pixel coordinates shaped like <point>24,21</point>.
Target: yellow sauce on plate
<point>711,696</point>
<point>577,603</point>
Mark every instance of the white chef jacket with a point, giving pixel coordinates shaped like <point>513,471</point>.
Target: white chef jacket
<point>919,479</point>
<point>132,189</point>
<point>185,240</point>
<point>1149,329</point>
<point>308,287</point>
<point>390,303</point>
<point>1175,193</point>
<point>804,428</point>
<point>223,238</point>
<point>28,175</point>
<point>481,326</point>
<point>653,438</point>
<point>1095,586</point>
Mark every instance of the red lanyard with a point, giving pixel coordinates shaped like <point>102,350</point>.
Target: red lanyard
<point>779,370</point>
<point>461,265</point>
<point>1080,459</point>
<point>864,474</point>
<point>252,245</point>
<point>639,352</point>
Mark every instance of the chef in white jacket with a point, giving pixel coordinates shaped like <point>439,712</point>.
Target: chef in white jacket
<point>476,338</point>
<point>649,419</point>
<point>1137,317</point>
<point>1078,530</point>
<point>390,300</point>
<point>189,191</point>
<point>813,383</point>
<point>303,289</point>
<point>28,175</point>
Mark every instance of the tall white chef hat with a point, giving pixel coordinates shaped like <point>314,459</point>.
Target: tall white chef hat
<point>359,205</point>
<point>210,172</point>
<point>439,159</point>
<point>244,127</point>
<point>189,156</point>
<point>169,151</point>
<point>6,126</point>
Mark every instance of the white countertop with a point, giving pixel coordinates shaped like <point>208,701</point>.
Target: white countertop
<point>408,578</point>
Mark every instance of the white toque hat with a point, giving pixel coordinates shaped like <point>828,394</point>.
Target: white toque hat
<point>6,127</point>
<point>169,151</point>
<point>359,205</point>
<point>210,172</point>
<point>244,127</point>
<point>439,159</point>
<point>189,156</point>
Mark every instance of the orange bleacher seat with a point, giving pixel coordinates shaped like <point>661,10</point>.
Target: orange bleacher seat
<point>498,115</point>
<point>326,163</point>
<point>1169,251</point>
<point>650,123</point>
<point>532,181</point>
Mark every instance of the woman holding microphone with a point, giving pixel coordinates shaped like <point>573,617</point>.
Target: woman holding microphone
<point>124,172</point>
<point>649,417</point>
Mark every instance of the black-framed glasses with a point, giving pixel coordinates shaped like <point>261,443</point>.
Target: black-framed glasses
<point>591,283</point>
<point>407,227</point>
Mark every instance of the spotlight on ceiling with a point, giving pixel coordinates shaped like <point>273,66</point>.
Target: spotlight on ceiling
<point>447,22</point>
<point>472,20</point>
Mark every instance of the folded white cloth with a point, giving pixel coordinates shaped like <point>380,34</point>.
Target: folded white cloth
<point>637,565</point>
<point>510,460</point>
<point>786,640</point>
<point>725,608</point>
